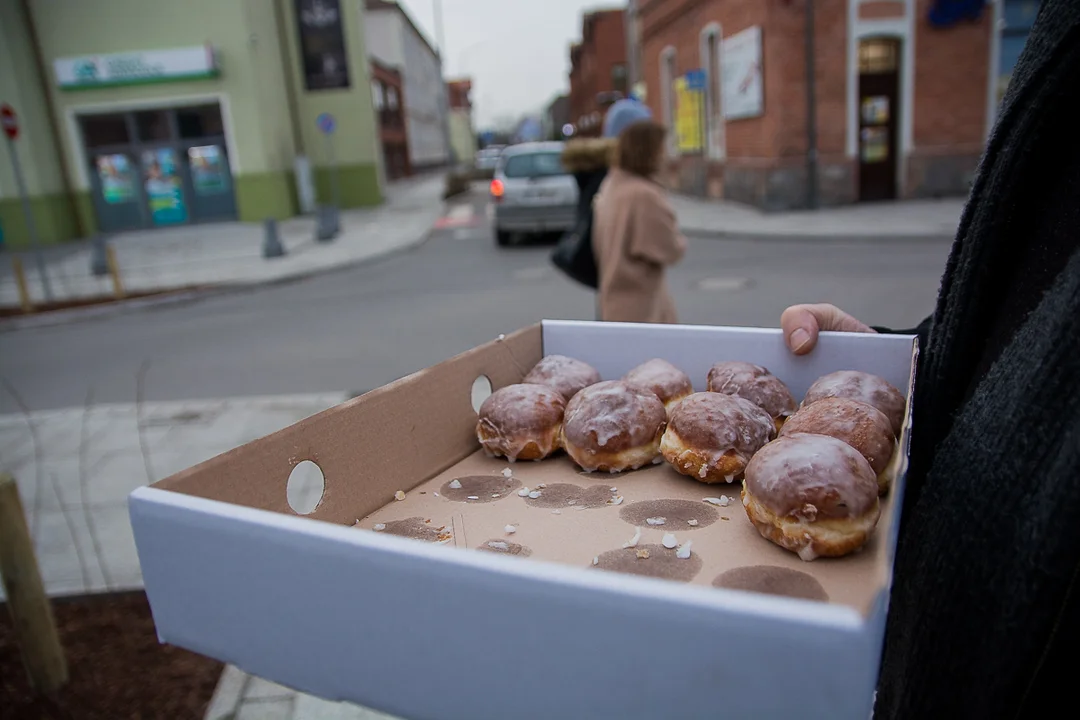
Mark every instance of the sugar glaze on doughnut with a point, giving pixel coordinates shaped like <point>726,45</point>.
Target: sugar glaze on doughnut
<point>521,422</point>
<point>712,436</point>
<point>756,384</point>
<point>864,387</point>
<point>661,377</point>
<point>566,374</point>
<point>613,426</point>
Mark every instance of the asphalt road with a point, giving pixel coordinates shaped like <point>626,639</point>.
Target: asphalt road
<point>359,328</point>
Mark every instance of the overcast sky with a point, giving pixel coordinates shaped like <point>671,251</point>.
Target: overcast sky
<point>516,51</point>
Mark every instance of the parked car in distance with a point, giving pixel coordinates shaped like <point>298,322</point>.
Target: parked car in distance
<point>486,160</point>
<point>532,191</point>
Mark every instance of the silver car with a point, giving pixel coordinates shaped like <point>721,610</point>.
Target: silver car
<point>532,191</point>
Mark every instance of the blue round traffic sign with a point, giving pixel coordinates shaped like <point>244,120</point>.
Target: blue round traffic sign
<point>326,123</point>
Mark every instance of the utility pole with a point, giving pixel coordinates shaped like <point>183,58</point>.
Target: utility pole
<point>811,114</point>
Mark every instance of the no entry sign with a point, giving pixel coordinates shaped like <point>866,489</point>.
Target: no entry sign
<point>9,121</point>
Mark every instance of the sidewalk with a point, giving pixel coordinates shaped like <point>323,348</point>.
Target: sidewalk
<point>222,254</point>
<point>75,468</point>
<point>902,219</point>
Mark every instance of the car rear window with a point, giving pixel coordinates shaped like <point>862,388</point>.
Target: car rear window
<point>540,164</point>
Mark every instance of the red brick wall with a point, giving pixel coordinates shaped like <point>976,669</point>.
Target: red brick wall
<point>603,46</point>
<point>950,83</point>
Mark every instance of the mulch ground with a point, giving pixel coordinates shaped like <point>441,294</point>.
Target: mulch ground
<point>116,665</point>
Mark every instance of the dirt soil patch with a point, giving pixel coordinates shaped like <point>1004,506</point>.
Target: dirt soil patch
<point>117,667</point>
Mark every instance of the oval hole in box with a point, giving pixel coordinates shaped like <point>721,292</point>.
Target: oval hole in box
<point>481,391</point>
<point>305,488</point>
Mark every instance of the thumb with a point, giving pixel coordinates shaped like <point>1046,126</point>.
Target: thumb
<point>802,323</point>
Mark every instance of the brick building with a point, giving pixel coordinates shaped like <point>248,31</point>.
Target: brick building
<point>905,97</point>
<point>389,101</point>
<point>598,70</point>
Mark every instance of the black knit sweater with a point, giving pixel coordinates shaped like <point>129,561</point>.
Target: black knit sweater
<point>985,609</point>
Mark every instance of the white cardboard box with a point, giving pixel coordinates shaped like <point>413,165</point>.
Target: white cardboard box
<point>432,632</point>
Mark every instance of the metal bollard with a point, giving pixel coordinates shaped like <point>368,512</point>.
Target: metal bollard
<point>99,263</point>
<point>327,223</point>
<point>272,246</point>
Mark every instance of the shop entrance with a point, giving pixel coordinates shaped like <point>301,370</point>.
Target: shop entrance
<point>879,117</point>
<point>161,167</point>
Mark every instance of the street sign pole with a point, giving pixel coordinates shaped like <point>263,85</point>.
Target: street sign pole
<point>31,227</point>
<point>328,224</point>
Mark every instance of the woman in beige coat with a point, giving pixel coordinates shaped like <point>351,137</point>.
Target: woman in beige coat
<point>635,236</point>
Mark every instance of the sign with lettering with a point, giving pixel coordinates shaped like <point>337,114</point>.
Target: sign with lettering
<point>133,68</point>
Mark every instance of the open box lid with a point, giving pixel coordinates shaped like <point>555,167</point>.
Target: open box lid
<point>425,631</point>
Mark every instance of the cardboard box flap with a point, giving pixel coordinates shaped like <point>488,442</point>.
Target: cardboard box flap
<point>386,440</point>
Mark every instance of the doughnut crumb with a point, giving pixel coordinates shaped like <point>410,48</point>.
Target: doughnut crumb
<point>692,522</point>
<point>507,472</point>
<point>399,495</point>
<point>643,554</point>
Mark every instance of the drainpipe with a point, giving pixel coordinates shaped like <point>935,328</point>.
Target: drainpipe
<point>811,114</point>
<point>54,128</point>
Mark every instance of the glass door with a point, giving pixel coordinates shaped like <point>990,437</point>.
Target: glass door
<point>164,186</point>
<point>115,187</point>
<point>211,182</point>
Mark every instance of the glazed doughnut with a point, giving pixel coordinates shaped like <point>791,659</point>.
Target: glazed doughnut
<point>614,426</point>
<point>863,387</point>
<point>861,426</point>
<point>661,377</point>
<point>521,422</point>
<point>565,374</point>
<point>712,436</point>
<point>811,494</point>
<point>757,385</point>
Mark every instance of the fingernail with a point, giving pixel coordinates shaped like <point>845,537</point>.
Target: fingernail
<point>799,339</point>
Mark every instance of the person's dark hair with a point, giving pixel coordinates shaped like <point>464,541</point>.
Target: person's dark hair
<point>640,148</point>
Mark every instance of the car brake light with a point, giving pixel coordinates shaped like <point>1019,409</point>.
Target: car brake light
<point>497,189</point>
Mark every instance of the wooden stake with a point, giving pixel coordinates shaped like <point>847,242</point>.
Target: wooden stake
<point>114,271</point>
<point>20,282</point>
<point>35,627</point>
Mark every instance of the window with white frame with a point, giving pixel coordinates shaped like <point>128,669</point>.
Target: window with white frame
<point>667,96</point>
<point>714,111</point>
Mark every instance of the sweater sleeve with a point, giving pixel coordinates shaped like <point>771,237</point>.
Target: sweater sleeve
<point>922,330</point>
<point>656,238</point>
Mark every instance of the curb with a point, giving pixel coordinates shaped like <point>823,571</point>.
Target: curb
<point>65,317</point>
<point>703,234</point>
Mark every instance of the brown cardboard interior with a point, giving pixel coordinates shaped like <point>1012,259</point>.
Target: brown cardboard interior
<point>417,435</point>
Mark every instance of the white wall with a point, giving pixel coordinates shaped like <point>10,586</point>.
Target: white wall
<point>424,98</point>
<point>391,41</point>
<point>383,33</point>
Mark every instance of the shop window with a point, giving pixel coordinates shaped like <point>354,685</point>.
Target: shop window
<point>199,121</point>
<point>714,114</point>
<point>878,55</point>
<point>153,125</point>
<point>618,78</point>
<point>104,130</point>
<point>377,95</point>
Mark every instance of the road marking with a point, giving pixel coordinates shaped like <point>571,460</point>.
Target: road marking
<point>458,216</point>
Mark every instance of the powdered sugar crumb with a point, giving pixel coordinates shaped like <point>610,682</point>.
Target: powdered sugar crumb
<point>534,494</point>
<point>455,485</point>
<point>656,520</point>
<point>632,542</point>
<point>399,495</point>
<point>683,553</point>
<point>669,541</point>
<point>378,526</point>
<point>507,472</point>
<point>509,529</point>
<point>523,492</point>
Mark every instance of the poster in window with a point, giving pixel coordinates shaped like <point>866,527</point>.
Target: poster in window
<point>875,110</point>
<point>117,178</point>
<point>163,187</point>
<point>208,174</point>
<point>322,44</point>
<point>688,108</point>
<point>742,85</point>
<point>875,144</point>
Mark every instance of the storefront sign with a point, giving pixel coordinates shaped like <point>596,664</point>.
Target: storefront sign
<point>743,88</point>
<point>151,66</point>
<point>322,44</point>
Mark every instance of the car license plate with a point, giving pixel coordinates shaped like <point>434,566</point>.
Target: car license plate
<point>544,197</point>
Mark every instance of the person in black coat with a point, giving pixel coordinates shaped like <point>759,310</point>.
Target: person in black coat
<point>984,618</point>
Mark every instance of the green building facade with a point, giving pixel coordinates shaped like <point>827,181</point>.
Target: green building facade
<point>146,113</point>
